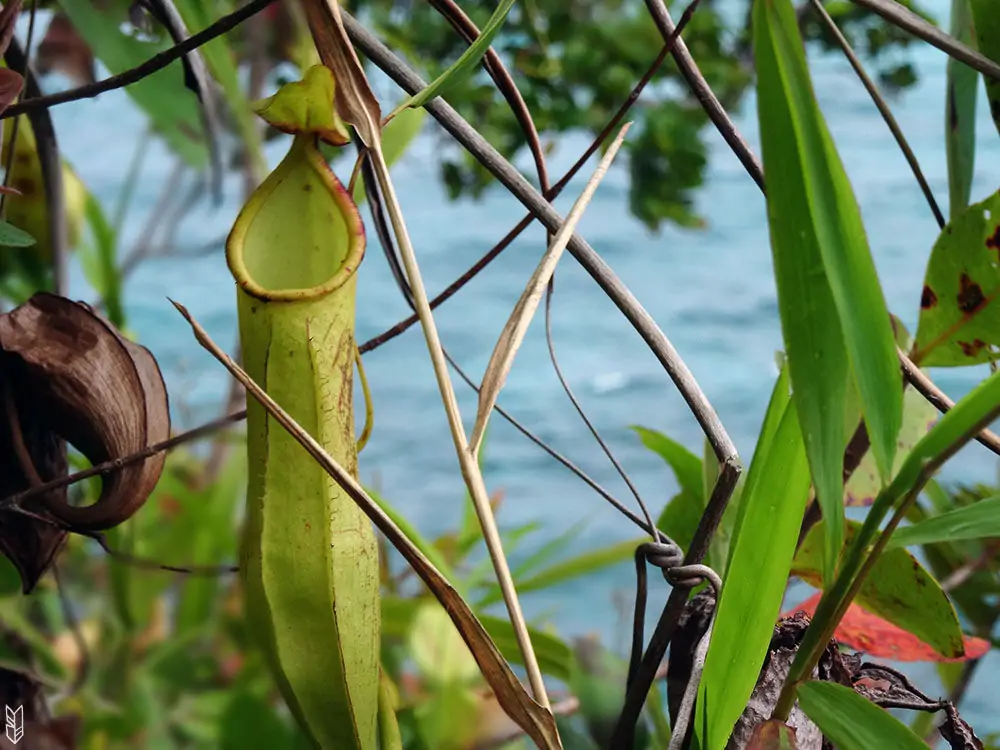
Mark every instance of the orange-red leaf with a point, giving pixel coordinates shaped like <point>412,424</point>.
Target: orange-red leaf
<point>863,631</point>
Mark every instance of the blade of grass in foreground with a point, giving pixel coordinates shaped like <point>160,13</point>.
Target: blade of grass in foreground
<point>852,722</point>
<point>833,313</point>
<point>469,59</point>
<point>772,506</point>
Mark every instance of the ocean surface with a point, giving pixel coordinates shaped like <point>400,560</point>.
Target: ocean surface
<point>711,292</point>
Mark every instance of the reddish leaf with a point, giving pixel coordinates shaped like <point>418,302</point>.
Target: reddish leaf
<point>11,84</point>
<point>772,735</point>
<point>64,50</point>
<point>8,22</point>
<point>863,631</point>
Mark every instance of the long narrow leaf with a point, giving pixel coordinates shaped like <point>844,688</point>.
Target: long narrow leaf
<point>772,506</point>
<point>976,521</point>
<point>960,113</point>
<point>466,62</point>
<point>852,722</point>
<point>833,313</point>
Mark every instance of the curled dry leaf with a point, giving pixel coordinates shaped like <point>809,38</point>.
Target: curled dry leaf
<point>772,735</point>
<point>861,630</point>
<point>89,386</point>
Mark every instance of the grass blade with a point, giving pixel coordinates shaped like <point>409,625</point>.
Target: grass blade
<point>833,313</point>
<point>852,722</point>
<point>772,506</point>
<point>469,59</point>
<point>960,114</point>
<point>986,16</point>
<point>976,521</point>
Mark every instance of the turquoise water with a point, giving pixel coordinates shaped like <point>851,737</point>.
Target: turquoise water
<point>710,291</point>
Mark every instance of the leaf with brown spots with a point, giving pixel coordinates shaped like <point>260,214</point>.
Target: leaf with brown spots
<point>898,589</point>
<point>72,376</point>
<point>959,322</point>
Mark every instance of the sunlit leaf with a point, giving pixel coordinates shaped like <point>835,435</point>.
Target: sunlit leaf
<point>976,521</point>
<point>852,722</point>
<point>772,506</point>
<point>833,312</point>
<point>685,464</point>
<point>898,588</point>
<point>863,631</point>
<point>959,324</point>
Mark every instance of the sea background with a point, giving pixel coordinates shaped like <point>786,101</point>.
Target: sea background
<point>711,291</point>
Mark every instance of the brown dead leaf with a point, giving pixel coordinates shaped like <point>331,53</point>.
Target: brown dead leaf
<point>63,50</point>
<point>98,391</point>
<point>27,450</point>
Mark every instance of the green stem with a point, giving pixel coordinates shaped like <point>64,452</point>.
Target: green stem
<point>388,728</point>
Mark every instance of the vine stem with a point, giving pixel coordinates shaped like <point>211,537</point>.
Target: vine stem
<point>466,458</point>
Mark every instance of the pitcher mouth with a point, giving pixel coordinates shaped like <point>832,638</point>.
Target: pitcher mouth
<point>252,266</point>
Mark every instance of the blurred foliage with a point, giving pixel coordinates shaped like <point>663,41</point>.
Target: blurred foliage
<point>576,61</point>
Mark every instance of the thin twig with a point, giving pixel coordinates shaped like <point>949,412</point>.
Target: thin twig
<point>904,18</point>
<point>622,297</point>
<point>883,109</point>
<point>650,525</point>
<point>504,82</point>
<point>525,222</point>
<point>702,91</point>
<point>156,63</point>
<point>208,428</point>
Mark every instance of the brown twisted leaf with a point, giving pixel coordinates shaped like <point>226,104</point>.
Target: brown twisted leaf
<point>71,375</point>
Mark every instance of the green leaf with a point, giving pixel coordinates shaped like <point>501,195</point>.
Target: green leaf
<point>833,313</point>
<point>581,565</point>
<point>680,517</point>
<point>249,721</point>
<point>776,408</point>
<point>919,416</point>
<point>986,15</point>
<point>960,113</point>
<point>397,136</point>
<point>687,467</point>
<point>11,236</point>
<point>220,59</point>
<point>772,506</point>
<point>429,550</point>
<point>898,589</point>
<point>171,107</point>
<point>969,522</point>
<point>959,324</point>
<point>465,63</point>
<point>98,260</point>
<point>554,657</point>
<point>852,722</point>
